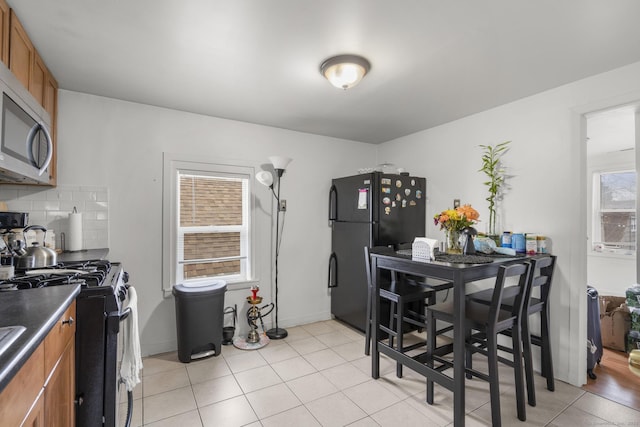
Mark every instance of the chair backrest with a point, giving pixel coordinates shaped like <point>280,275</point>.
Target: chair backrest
<point>542,276</point>
<point>519,292</point>
<point>367,261</point>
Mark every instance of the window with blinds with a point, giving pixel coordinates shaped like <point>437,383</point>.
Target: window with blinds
<point>615,217</point>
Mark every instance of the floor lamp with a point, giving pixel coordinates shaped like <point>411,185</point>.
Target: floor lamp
<point>279,164</point>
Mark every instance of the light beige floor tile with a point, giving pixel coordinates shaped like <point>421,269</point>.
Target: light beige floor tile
<point>311,387</point>
<point>333,339</point>
<point>191,419</point>
<point>307,345</point>
<point>607,410</point>
<point>160,363</point>
<point>296,417</point>
<point>293,368</point>
<point>324,359</point>
<point>576,417</point>
<point>364,422</point>
<point>272,400</point>
<point>122,392</point>
<point>297,333</point>
<point>438,414</point>
<point>278,353</point>
<point>345,376</point>
<point>232,412</point>
<point>335,410</point>
<point>216,390</point>
<point>319,328</point>
<point>400,414</point>
<point>351,351</point>
<point>371,396</point>
<point>244,361</point>
<point>165,381</point>
<point>257,378</point>
<point>231,350</point>
<point>410,383</point>
<point>386,365</point>
<point>136,416</point>
<point>165,405</point>
<point>207,369</point>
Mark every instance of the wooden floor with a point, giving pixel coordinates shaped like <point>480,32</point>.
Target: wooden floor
<point>615,381</point>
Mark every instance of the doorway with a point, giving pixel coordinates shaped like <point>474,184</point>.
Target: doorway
<point>612,263</point>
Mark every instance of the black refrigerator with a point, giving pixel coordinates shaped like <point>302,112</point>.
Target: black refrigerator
<point>374,209</point>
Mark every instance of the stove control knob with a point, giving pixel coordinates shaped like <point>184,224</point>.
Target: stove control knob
<point>125,277</point>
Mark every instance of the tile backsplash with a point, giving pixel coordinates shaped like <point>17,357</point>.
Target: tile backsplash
<point>50,207</point>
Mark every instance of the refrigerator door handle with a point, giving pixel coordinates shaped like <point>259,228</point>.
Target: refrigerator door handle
<point>333,271</point>
<point>333,204</point>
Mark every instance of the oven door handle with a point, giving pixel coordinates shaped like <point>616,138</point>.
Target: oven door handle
<point>125,313</point>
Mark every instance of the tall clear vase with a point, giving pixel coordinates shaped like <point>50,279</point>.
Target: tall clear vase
<point>453,242</point>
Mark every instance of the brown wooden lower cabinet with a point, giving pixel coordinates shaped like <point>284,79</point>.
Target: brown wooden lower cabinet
<point>42,392</point>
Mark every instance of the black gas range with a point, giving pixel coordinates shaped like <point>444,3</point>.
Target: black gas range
<point>99,312</point>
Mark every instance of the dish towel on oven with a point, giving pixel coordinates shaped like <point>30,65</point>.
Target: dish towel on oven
<point>131,364</point>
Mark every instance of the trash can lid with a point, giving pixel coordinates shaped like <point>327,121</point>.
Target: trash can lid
<point>198,287</point>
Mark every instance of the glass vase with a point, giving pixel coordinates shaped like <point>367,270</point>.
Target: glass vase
<point>453,242</point>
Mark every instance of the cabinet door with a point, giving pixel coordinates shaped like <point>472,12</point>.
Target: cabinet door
<point>20,51</point>
<point>36,414</point>
<point>37,78</point>
<point>4,32</point>
<point>51,105</point>
<point>60,391</point>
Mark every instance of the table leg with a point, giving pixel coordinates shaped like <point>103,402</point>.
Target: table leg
<point>458,351</point>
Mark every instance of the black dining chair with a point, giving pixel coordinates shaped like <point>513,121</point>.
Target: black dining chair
<point>541,279</point>
<point>483,323</point>
<point>407,296</point>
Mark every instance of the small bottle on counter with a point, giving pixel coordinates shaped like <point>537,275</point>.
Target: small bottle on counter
<point>517,242</point>
<point>531,245</point>
<point>542,244</point>
<point>505,242</point>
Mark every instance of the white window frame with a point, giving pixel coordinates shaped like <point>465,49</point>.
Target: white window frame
<point>173,234</point>
<point>601,248</point>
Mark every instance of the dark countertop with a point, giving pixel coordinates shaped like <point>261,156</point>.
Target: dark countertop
<point>37,310</point>
<point>83,255</point>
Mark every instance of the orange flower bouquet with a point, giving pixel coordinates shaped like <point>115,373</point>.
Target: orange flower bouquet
<point>454,221</point>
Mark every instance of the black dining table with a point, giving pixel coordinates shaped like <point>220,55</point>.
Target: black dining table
<point>458,273</point>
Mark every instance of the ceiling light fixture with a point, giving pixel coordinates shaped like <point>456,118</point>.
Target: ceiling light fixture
<point>345,71</point>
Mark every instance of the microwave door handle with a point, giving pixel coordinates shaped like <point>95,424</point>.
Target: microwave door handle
<point>32,134</point>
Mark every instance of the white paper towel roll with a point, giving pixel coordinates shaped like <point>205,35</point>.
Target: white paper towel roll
<point>75,232</point>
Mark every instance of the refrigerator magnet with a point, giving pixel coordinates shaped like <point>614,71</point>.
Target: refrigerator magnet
<point>386,190</point>
<point>387,210</point>
<point>386,201</point>
<point>418,194</point>
<point>385,181</point>
<point>398,197</point>
<point>407,192</point>
<point>413,182</point>
<point>362,198</point>
<point>398,183</point>
<point>412,203</point>
<point>393,204</point>
<point>404,203</point>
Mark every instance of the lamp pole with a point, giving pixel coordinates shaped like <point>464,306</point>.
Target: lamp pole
<point>277,333</point>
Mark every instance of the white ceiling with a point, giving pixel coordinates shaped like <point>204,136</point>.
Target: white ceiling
<point>433,61</point>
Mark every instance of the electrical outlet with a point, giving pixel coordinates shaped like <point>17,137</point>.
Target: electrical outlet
<point>283,206</point>
<point>456,203</point>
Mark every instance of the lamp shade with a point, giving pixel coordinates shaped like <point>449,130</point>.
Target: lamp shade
<point>265,178</point>
<point>279,162</point>
<point>345,71</point>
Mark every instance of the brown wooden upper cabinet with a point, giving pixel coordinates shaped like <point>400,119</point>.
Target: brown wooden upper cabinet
<point>4,32</point>
<point>27,65</point>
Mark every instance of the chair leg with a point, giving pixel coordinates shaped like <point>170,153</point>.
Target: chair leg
<point>392,310</point>
<point>516,342</point>
<point>431,346</point>
<point>528,360</point>
<point>399,335</point>
<point>367,328</point>
<point>547,362</point>
<point>468,353</point>
<point>494,380</point>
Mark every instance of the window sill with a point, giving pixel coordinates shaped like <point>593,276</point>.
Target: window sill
<point>231,286</point>
<point>630,255</point>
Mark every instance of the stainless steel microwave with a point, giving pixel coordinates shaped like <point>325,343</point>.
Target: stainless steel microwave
<point>26,147</point>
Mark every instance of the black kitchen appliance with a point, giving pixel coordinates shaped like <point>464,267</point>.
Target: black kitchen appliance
<point>374,209</point>
<point>99,311</point>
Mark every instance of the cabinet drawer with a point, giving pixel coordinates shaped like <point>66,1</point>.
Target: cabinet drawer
<point>55,343</point>
<point>23,390</point>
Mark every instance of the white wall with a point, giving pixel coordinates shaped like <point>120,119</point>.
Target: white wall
<point>117,144</point>
<point>547,190</point>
